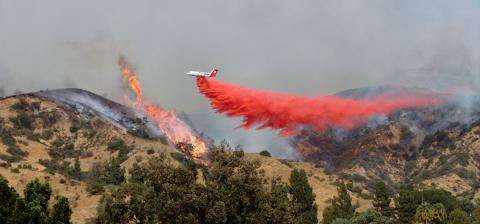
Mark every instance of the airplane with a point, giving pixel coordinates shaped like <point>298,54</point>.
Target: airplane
<point>213,73</point>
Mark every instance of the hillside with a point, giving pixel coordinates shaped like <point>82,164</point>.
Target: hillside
<point>68,138</point>
<point>421,146</point>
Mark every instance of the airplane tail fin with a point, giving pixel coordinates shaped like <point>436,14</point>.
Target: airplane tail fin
<point>214,72</point>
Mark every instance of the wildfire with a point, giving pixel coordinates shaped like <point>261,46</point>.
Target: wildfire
<point>174,128</point>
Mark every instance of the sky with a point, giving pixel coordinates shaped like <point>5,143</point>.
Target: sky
<point>308,47</point>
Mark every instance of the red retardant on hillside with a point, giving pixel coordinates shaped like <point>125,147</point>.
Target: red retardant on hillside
<point>289,112</point>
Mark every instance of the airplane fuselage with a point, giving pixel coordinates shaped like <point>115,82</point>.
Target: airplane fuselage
<point>213,73</point>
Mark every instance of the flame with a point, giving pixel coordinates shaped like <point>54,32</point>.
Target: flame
<point>174,128</point>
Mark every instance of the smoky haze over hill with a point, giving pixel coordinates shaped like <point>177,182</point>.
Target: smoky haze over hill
<point>305,47</point>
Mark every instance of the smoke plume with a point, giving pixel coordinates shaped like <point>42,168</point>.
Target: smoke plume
<point>288,112</point>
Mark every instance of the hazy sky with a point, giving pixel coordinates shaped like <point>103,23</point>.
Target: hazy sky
<point>307,46</point>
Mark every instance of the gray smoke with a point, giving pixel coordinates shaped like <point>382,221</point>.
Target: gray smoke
<point>306,47</point>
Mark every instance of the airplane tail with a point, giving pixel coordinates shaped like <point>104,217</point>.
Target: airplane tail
<point>214,72</point>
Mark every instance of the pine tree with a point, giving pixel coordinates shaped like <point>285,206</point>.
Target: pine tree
<point>303,197</point>
<point>61,212</point>
<point>406,204</point>
<point>381,200</point>
<point>341,207</point>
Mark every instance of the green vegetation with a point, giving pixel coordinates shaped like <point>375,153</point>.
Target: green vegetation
<point>382,199</point>
<point>22,121</point>
<point>286,162</point>
<point>265,153</point>
<point>411,205</point>
<point>15,153</point>
<point>303,198</point>
<point>233,190</point>
<point>118,144</point>
<point>139,132</point>
<point>34,206</point>
<point>21,105</point>
<point>341,207</point>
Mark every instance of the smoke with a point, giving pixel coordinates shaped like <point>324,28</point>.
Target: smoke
<point>289,113</point>
<point>305,47</point>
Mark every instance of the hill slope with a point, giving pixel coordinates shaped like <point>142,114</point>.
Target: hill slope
<point>45,135</point>
<point>421,146</point>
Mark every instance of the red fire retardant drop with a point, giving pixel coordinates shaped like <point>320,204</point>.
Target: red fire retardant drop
<point>289,112</point>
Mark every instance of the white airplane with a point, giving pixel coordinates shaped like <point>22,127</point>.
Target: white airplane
<point>213,73</point>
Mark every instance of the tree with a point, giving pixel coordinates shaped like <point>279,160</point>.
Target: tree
<point>341,206</point>
<point>458,216</point>
<point>381,199</point>
<point>265,153</point>
<point>303,197</point>
<point>33,208</point>
<point>428,214</point>
<point>61,212</point>
<point>476,211</point>
<point>76,167</point>
<point>371,216</point>
<point>113,173</point>
<point>234,190</point>
<point>8,196</point>
<point>328,214</point>
<point>37,193</point>
<point>406,203</point>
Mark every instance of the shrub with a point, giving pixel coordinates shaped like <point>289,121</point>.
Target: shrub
<point>116,144</point>
<point>21,105</point>
<point>461,158</point>
<point>15,151</point>
<point>7,137</point>
<point>185,161</point>
<point>90,134</point>
<point>139,132</point>
<point>46,135</point>
<point>49,118</point>
<point>74,128</point>
<point>10,159</point>
<point>22,121</point>
<point>86,154</point>
<point>113,173</point>
<point>25,166</point>
<point>150,151</point>
<point>265,153</point>
<point>358,178</point>
<point>285,162</point>
<point>463,173</point>
<point>365,195</point>
<point>32,136</point>
<point>443,159</point>
<point>95,188</point>
<point>35,105</point>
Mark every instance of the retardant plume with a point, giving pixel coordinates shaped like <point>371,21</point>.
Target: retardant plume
<point>289,113</point>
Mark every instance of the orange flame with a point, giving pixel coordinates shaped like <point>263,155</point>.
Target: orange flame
<point>174,128</point>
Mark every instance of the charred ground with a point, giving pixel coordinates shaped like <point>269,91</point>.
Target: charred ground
<point>418,146</point>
